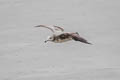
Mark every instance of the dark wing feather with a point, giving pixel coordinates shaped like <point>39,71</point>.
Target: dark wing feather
<point>76,37</point>
<point>57,27</point>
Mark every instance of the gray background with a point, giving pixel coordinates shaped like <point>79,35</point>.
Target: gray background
<point>25,56</point>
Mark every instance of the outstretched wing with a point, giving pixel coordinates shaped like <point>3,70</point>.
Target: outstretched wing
<point>76,37</point>
<point>53,28</point>
<point>45,27</point>
<point>57,28</point>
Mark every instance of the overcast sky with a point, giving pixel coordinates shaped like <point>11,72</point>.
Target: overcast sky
<point>25,56</point>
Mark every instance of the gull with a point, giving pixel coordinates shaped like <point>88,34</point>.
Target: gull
<point>59,36</point>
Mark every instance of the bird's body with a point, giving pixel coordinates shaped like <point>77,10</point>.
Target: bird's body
<point>63,36</point>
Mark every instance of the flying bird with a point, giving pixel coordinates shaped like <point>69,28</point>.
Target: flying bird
<point>60,36</point>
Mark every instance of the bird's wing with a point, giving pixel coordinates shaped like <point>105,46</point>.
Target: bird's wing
<point>53,28</point>
<point>57,28</point>
<point>45,27</point>
<point>76,37</point>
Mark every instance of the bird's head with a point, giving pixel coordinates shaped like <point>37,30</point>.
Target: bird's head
<point>49,38</point>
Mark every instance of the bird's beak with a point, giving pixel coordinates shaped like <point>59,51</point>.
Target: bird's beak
<point>46,41</point>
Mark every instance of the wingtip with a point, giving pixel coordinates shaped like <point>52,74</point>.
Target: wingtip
<point>37,26</point>
<point>40,26</point>
<point>89,43</point>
